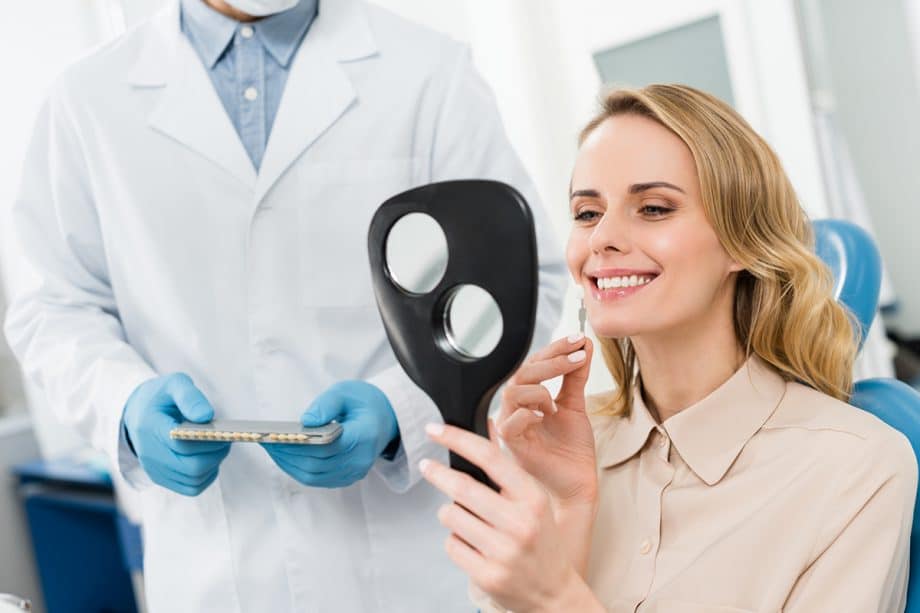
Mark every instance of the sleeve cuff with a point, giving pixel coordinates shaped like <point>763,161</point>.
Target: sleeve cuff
<point>123,460</point>
<point>413,409</point>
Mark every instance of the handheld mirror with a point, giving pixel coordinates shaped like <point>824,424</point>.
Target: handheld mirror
<point>454,268</point>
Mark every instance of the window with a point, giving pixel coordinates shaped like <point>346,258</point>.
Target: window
<point>693,54</point>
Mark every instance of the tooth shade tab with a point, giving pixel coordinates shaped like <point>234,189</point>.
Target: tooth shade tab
<point>626,281</point>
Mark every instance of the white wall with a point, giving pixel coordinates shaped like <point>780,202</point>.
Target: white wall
<point>873,74</point>
<point>40,40</point>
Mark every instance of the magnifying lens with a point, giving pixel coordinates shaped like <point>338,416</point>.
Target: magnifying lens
<point>454,268</point>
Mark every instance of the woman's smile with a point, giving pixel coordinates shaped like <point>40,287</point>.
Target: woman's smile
<point>608,284</point>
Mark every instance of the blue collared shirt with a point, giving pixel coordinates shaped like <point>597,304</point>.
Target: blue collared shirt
<point>248,63</point>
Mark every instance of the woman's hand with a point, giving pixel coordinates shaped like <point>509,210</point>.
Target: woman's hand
<point>551,438</point>
<point>508,542</point>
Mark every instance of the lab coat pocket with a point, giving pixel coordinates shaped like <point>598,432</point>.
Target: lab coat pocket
<point>341,198</point>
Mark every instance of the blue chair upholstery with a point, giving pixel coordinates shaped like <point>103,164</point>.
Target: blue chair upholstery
<point>854,259</point>
<point>850,253</point>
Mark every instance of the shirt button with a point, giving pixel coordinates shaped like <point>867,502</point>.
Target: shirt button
<point>662,440</point>
<point>645,547</point>
<point>251,93</point>
<point>246,32</point>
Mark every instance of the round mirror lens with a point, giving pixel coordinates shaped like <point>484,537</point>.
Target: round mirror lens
<point>473,321</point>
<point>416,253</point>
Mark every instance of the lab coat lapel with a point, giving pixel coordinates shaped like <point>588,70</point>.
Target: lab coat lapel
<point>318,90</point>
<point>189,109</point>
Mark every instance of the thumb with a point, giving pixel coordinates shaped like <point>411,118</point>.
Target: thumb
<point>572,391</point>
<point>188,399</point>
<point>329,405</point>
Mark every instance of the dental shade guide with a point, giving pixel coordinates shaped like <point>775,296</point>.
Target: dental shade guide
<point>582,313</point>
<point>250,431</point>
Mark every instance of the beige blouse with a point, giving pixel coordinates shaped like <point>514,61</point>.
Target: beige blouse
<point>764,496</point>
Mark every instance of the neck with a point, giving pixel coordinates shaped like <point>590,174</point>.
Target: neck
<point>681,367</point>
<point>225,9</point>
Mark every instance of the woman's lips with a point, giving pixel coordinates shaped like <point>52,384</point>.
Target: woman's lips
<point>618,287</point>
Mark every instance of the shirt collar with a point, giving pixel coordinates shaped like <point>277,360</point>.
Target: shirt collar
<point>710,434</point>
<point>280,33</point>
<point>210,31</point>
<point>621,438</point>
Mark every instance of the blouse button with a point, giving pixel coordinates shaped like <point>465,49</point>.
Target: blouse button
<point>645,547</point>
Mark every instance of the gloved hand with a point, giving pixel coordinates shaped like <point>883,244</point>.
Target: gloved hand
<point>368,426</point>
<point>156,407</point>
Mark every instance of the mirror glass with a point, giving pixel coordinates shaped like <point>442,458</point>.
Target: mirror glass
<point>473,321</point>
<point>416,253</point>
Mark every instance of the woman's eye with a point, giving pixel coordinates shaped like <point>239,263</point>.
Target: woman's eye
<point>655,210</point>
<point>587,215</point>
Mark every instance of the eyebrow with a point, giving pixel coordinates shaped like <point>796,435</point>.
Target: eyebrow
<point>587,193</point>
<point>635,188</point>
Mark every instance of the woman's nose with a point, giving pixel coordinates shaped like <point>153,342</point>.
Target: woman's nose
<point>610,234</point>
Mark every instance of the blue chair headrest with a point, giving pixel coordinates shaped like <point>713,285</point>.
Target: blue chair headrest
<point>855,262</point>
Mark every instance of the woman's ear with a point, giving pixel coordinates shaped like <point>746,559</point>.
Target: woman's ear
<point>735,266</point>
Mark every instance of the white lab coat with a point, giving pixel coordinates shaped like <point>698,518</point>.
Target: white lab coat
<point>160,249</point>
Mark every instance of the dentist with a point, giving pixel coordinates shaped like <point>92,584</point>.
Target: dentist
<point>194,205</point>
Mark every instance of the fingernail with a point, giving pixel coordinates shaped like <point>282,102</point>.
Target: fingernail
<point>423,465</point>
<point>435,429</point>
<point>578,356</point>
<point>574,338</point>
<point>538,413</point>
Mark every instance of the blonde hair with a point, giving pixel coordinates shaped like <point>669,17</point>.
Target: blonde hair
<point>784,310</point>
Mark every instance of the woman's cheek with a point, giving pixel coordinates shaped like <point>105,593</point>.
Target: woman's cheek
<point>576,252</point>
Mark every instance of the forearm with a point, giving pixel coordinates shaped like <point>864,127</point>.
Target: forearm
<point>63,324</point>
<point>576,524</point>
<point>575,595</point>
<point>79,358</point>
<point>413,410</point>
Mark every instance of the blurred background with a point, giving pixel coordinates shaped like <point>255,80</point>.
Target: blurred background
<point>833,85</point>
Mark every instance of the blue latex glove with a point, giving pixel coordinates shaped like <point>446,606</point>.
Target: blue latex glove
<point>368,426</point>
<point>156,407</point>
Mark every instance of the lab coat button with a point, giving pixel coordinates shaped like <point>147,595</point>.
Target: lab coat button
<point>645,547</point>
<point>246,32</point>
<point>251,93</point>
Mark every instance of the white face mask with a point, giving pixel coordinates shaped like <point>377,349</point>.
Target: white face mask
<point>261,8</point>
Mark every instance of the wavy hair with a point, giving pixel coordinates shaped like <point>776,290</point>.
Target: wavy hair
<point>784,309</point>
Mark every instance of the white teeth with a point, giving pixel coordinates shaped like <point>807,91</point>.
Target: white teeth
<point>626,281</point>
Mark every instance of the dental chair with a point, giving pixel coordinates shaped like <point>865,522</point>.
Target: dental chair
<point>854,260</point>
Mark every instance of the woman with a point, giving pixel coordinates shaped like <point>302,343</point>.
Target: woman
<point>725,472</point>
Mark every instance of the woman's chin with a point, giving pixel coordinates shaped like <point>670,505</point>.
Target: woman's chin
<point>612,329</point>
